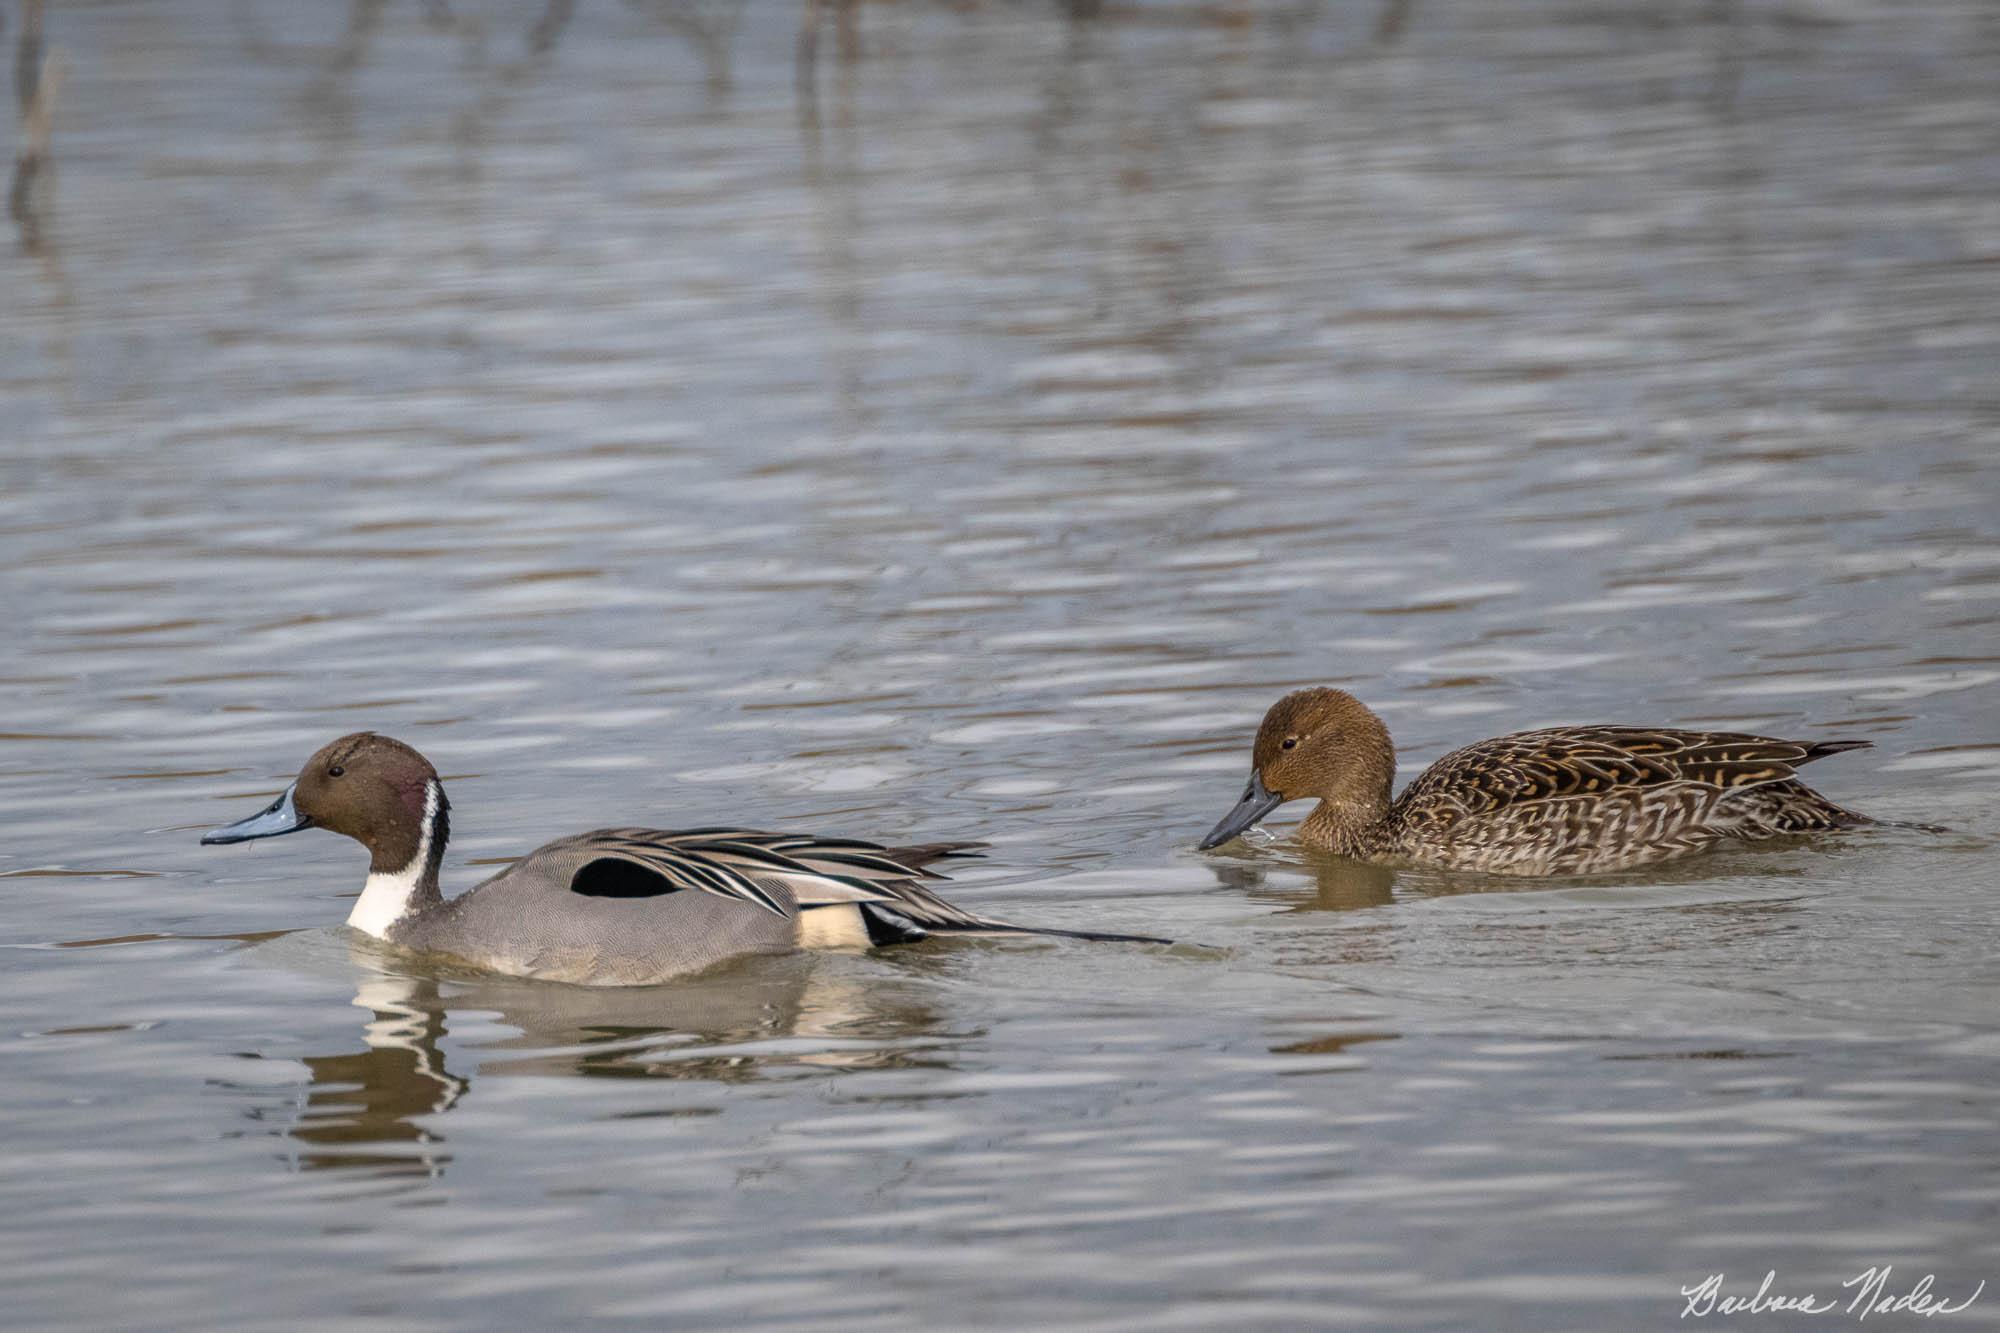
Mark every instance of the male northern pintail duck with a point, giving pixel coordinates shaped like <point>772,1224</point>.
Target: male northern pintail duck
<point>618,906</point>
<point>1564,801</point>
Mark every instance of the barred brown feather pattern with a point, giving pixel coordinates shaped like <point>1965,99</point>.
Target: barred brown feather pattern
<point>1574,800</point>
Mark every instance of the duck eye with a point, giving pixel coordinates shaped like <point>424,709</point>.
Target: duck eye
<point>1289,743</point>
<point>335,771</point>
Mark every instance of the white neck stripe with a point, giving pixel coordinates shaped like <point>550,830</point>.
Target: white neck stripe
<point>385,898</point>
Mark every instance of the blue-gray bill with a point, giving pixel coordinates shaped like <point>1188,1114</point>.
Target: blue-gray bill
<point>279,817</point>
<point>1254,805</point>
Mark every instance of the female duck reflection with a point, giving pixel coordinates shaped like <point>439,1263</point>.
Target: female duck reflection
<point>372,1109</point>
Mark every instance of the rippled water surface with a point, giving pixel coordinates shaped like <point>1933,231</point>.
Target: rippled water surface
<point>967,439</point>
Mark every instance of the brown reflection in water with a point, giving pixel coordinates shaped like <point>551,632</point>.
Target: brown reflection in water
<point>707,28</point>
<point>834,178</point>
<point>362,1104</point>
<point>1394,19</point>
<point>1720,1053</point>
<point>37,79</point>
<point>1337,884</point>
<point>370,1109</point>
<point>805,57</point>
<point>330,97</point>
<point>549,28</point>
<point>1333,1043</point>
<point>157,937</point>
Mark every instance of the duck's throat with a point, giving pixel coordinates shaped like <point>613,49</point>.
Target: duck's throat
<point>1346,827</point>
<point>391,896</point>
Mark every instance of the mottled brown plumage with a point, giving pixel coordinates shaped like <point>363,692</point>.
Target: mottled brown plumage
<point>1561,801</point>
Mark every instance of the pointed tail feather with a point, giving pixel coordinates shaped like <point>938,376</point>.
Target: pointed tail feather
<point>1827,814</point>
<point>919,909</point>
<point>1003,928</point>
<point>921,855</point>
<point>1845,818</point>
<point>1821,749</point>
<point>1912,825</point>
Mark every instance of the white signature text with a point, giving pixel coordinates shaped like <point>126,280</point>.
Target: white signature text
<point>1870,1290</point>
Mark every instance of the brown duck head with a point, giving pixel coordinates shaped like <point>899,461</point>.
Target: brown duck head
<point>1321,743</point>
<point>377,791</point>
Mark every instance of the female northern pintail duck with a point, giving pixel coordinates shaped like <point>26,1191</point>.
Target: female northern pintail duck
<point>1564,801</point>
<point>619,906</point>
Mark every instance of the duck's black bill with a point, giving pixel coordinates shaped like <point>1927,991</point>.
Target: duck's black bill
<point>1255,804</point>
<point>279,817</point>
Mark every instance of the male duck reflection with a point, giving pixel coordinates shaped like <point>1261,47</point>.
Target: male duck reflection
<point>1565,801</point>
<point>615,907</point>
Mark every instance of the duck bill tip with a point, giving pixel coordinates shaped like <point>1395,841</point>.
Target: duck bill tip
<point>274,820</point>
<point>1250,809</point>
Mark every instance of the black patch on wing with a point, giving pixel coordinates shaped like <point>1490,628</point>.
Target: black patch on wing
<point>887,926</point>
<point>616,877</point>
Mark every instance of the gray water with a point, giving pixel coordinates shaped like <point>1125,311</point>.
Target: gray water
<point>969,439</point>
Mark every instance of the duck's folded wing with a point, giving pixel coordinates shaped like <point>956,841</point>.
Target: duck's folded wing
<point>1714,758</point>
<point>788,873</point>
<point>1564,763</point>
<point>780,872</point>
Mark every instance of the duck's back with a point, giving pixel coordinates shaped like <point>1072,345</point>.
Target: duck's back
<point>1577,800</point>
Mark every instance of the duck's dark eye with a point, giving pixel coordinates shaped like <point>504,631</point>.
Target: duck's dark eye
<point>335,771</point>
<point>1289,743</point>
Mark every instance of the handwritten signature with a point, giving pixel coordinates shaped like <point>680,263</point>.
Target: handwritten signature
<point>1871,1296</point>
